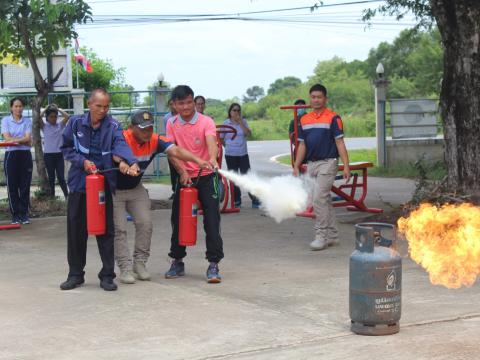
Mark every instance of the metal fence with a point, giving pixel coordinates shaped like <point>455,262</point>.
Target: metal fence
<point>122,105</point>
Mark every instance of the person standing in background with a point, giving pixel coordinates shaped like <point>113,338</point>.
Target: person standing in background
<point>18,162</point>
<point>236,151</point>
<point>52,140</point>
<point>199,104</point>
<point>300,113</point>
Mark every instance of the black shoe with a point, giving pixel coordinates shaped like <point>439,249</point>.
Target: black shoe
<point>177,269</point>
<point>108,284</point>
<point>71,283</point>
<point>24,220</point>
<point>213,274</point>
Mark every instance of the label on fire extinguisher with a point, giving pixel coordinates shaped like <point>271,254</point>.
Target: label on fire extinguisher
<point>101,197</point>
<point>194,209</point>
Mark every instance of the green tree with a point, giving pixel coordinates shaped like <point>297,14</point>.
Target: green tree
<point>414,55</point>
<point>104,74</point>
<point>458,22</point>
<point>253,94</point>
<point>30,29</point>
<point>286,82</point>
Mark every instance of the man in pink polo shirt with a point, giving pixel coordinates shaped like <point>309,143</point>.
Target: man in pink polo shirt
<point>197,133</point>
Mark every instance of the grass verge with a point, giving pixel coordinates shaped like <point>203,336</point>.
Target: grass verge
<point>411,170</point>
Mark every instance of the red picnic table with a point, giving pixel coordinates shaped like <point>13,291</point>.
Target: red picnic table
<point>8,226</point>
<point>351,195</point>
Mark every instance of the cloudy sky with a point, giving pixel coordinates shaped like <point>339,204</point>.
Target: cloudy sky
<point>222,58</point>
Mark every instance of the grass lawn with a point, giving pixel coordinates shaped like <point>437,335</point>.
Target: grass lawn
<point>434,172</point>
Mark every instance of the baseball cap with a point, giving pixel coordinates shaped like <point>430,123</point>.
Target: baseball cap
<point>142,119</point>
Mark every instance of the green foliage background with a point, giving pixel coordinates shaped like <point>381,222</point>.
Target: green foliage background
<point>413,64</point>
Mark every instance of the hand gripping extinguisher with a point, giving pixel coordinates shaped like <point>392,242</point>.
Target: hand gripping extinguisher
<point>187,222</point>
<point>95,188</point>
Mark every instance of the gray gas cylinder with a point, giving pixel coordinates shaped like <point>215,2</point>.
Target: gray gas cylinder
<point>375,281</point>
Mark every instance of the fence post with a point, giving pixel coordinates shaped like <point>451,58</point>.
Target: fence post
<point>77,96</point>
<point>160,102</point>
<point>380,108</point>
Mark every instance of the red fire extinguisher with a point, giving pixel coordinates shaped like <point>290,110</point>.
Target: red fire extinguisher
<point>95,188</point>
<point>187,222</point>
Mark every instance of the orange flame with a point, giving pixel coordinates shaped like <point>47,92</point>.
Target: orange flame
<point>446,242</point>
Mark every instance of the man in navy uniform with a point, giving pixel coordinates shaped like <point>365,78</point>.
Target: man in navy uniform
<point>89,142</point>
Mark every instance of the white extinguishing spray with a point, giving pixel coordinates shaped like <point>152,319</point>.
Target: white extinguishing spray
<point>282,197</point>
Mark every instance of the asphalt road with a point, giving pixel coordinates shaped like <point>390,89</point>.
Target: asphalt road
<point>261,153</point>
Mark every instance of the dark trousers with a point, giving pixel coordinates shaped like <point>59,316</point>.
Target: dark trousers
<point>18,173</point>
<point>173,175</point>
<point>54,164</point>
<point>240,164</point>
<point>77,236</point>
<point>209,198</point>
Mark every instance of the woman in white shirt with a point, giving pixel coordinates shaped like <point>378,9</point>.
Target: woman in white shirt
<point>236,152</point>
<point>52,140</point>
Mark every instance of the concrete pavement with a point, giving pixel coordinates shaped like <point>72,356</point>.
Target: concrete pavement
<point>278,300</point>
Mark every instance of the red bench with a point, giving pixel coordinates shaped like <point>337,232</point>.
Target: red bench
<point>351,195</point>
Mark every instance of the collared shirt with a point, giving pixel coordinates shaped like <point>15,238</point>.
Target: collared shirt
<point>144,154</point>
<point>192,136</point>
<point>237,146</point>
<point>319,132</point>
<point>16,129</point>
<point>76,148</point>
<point>52,136</point>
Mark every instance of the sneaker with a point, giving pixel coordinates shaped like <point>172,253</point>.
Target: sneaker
<point>24,220</point>
<point>213,276</point>
<point>72,282</point>
<point>171,196</point>
<point>15,220</point>
<point>107,284</point>
<point>141,271</point>
<point>176,270</point>
<point>126,277</point>
<point>238,204</point>
<point>129,217</point>
<point>318,244</point>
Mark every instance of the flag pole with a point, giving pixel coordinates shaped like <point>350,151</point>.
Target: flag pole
<point>76,68</point>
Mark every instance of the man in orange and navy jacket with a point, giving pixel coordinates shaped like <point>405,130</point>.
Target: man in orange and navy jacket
<point>320,139</point>
<point>132,197</point>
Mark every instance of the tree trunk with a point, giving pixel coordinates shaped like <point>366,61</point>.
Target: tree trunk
<point>459,25</point>
<point>43,88</point>
<point>37,142</point>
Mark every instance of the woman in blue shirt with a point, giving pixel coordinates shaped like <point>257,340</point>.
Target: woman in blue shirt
<point>18,161</point>
<point>52,140</point>
<point>236,152</point>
